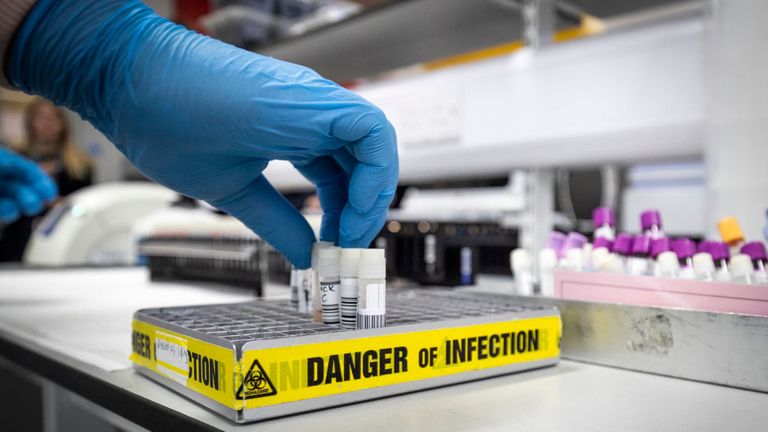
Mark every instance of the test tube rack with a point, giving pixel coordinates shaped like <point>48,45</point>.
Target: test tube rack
<point>261,359</point>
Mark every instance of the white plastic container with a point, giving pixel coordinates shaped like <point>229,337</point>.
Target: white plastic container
<point>547,264</point>
<point>372,285</point>
<point>522,271</point>
<point>703,266</point>
<point>350,259</point>
<point>328,272</point>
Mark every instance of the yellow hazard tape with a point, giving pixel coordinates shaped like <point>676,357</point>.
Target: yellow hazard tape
<point>200,366</point>
<point>288,374</point>
<point>279,375</point>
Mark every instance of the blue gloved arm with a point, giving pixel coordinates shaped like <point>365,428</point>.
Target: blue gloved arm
<point>204,118</point>
<point>24,187</point>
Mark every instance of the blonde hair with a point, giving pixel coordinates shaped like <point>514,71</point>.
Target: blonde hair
<point>76,162</point>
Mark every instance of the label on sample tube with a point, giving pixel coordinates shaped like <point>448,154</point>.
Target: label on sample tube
<point>329,297</point>
<point>372,308</point>
<point>348,295</point>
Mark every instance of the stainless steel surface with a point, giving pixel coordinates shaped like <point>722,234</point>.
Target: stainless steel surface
<point>720,348</point>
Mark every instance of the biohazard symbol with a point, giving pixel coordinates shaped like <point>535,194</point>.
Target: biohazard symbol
<point>256,383</point>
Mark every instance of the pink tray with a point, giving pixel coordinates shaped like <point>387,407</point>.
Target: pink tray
<point>665,292</point>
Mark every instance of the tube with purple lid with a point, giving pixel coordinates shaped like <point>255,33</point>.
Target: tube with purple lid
<point>657,247</point>
<point>756,251</point>
<point>604,223</point>
<point>571,253</point>
<point>720,255</point>
<point>650,221</point>
<point>637,263</point>
<point>685,250</point>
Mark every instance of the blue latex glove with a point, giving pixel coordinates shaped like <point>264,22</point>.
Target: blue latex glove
<point>24,187</point>
<point>204,118</point>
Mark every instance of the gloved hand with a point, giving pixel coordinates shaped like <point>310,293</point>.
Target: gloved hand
<point>204,118</point>
<point>24,187</point>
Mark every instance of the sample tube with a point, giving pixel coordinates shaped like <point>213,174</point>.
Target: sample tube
<point>294,284</point>
<point>350,258</point>
<point>623,249</point>
<point>637,263</point>
<point>521,270</point>
<point>574,240</point>
<point>371,272</point>
<point>757,253</point>
<point>328,262</point>
<point>604,222</point>
<point>703,266</point>
<point>547,264</point>
<point>730,232</point>
<point>555,242</point>
<point>685,249</point>
<point>657,247</point>
<point>315,298</point>
<point>667,264</point>
<point>741,269</point>
<point>601,254</point>
<point>650,221</point>
<point>465,265</point>
<point>720,255</point>
<point>304,281</point>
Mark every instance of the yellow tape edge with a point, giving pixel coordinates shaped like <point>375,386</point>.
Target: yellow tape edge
<point>588,26</point>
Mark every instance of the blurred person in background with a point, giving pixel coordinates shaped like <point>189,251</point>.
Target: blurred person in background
<point>47,143</point>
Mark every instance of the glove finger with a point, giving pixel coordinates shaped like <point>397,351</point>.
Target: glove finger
<point>9,212</point>
<point>344,158</point>
<point>373,143</point>
<point>359,229</point>
<point>332,183</point>
<point>26,199</point>
<point>16,167</point>
<point>264,210</point>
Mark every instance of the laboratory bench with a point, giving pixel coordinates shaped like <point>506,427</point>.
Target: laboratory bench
<point>69,330</point>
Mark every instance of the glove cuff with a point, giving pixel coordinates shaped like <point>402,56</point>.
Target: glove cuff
<point>14,12</point>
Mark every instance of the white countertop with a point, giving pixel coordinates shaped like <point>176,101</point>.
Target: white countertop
<point>82,317</point>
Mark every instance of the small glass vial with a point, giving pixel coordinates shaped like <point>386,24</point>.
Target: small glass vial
<point>731,233</point>
<point>741,269</point>
<point>703,266</point>
<point>623,249</point>
<point>604,223</point>
<point>720,255</point>
<point>328,273</point>
<point>314,295</point>
<point>637,264</point>
<point>350,259</point>
<point>304,278</point>
<point>522,271</point>
<point>756,251</point>
<point>659,246</point>
<point>294,284</point>
<point>372,303</point>
<point>685,249</point>
<point>650,221</point>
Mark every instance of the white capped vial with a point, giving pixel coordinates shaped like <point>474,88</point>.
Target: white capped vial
<point>315,298</point>
<point>741,269</point>
<point>703,266</point>
<point>372,269</point>
<point>328,261</point>
<point>522,271</point>
<point>350,259</point>
<point>547,264</point>
<point>294,284</point>
<point>304,279</point>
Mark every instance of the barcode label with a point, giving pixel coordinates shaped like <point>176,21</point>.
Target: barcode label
<point>348,292</point>
<point>371,321</point>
